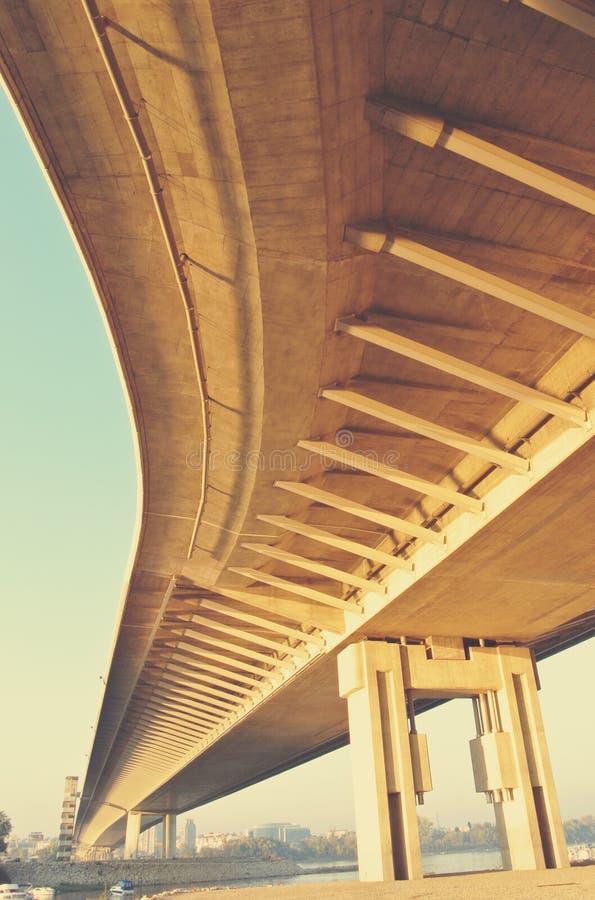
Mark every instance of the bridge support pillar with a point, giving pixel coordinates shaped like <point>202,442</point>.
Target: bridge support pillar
<point>381,681</point>
<point>371,679</point>
<point>169,835</point>
<point>529,822</point>
<point>133,826</point>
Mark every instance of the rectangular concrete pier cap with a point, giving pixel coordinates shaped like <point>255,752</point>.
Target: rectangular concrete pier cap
<point>371,679</point>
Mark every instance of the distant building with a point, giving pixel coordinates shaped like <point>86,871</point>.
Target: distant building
<point>280,831</point>
<point>146,843</point>
<point>268,830</point>
<point>292,834</point>
<point>190,833</point>
<point>65,837</point>
<point>32,845</point>
<point>213,839</point>
<point>158,840</point>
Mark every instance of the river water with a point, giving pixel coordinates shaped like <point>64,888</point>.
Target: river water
<point>433,864</point>
<point>462,861</point>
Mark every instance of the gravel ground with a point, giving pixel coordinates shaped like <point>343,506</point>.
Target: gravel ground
<point>558,884</point>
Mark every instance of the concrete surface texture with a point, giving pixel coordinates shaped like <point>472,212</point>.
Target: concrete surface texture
<point>390,765</point>
<point>567,885</point>
<point>378,432</point>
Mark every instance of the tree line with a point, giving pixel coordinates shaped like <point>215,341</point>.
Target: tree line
<point>477,836</point>
<point>433,839</point>
<point>580,831</point>
<point>5,827</point>
<point>320,847</point>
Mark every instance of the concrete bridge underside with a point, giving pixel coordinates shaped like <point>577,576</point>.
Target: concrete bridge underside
<point>344,252</point>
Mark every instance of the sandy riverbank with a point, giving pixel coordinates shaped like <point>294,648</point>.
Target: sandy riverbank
<point>567,884</point>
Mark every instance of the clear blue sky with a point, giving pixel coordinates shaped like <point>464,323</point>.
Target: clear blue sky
<point>69,494</point>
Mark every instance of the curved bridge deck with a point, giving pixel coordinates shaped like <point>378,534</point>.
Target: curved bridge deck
<point>344,253</point>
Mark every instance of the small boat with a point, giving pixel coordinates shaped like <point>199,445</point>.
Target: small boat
<point>13,892</point>
<point>123,888</point>
<point>43,893</point>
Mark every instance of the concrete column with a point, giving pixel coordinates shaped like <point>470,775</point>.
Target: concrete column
<point>169,835</point>
<point>133,826</point>
<point>530,825</point>
<point>371,679</point>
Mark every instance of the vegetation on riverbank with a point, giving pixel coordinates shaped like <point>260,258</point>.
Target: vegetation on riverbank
<point>580,831</point>
<point>433,838</point>
<point>475,836</point>
<point>317,847</point>
<point>5,828</point>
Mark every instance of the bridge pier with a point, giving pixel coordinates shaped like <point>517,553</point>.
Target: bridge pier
<point>529,823</point>
<point>169,835</point>
<point>371,678</point>
<point>381,681</point>
<point>133,827</point>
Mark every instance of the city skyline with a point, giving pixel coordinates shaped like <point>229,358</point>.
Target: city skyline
<point>71,502</point>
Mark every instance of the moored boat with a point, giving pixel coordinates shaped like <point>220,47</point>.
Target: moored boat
<point>43,893</point>
<point>12,892</point>
<point>124,887</point>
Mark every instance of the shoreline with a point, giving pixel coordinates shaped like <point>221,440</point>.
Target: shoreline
<point>569,884</point>
<point>247,870</point>
<point>320,868</point>
<point>70,877</point>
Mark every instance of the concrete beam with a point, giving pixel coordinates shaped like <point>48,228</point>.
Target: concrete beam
<point>180,625</point>
<point>216,686</point>
<point>413,251</point>
<point>327,498</point>
<point>302,610</point>
<point>185,701</point>
<point>276,627</point>
<point>250,636</point>
<point>452,365</point>
<point>185,724</point>
<point>402,419</point>
<point>178,652</point>
<point>429,128</point>
<point>187,643</point>
<point>294,588</point>
<point>313,566</point>
<point>201,691</point>
<point>575,13</point>
<point>395,476</point>
<point>333,540</point>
